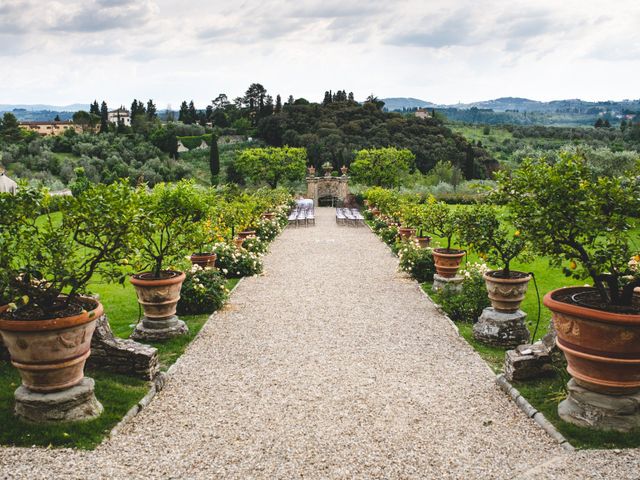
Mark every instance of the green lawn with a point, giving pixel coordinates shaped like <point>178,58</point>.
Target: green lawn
<point>117,393</point>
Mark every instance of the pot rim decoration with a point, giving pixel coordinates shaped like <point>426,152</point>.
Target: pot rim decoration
<point>175,277</point>
<point>602,348</point>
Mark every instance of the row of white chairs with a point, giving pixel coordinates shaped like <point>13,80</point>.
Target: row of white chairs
<point>302,215</point>
<point>349,216</point>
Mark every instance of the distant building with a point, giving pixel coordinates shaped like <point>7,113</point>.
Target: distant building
<point>50,128</point>
<point>422,113</point>
<point>120,115</point>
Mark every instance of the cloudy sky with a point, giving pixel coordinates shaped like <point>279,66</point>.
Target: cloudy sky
<point>62,52</point>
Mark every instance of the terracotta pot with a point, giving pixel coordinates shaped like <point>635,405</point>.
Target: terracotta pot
<point>423,242</point>
<point>447,262</point>
<point>506,294</point>
<point>238,242</point>
<point>269,215</point>
<point>602,348</point>
<point>246,234</point>
<point>406,232</point>
<point>375,212</point>
<point>204,260</point>
<point>50,354</point>
<point>158,297</point>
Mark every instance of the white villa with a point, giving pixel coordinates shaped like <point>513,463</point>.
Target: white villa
<point>120,115</point>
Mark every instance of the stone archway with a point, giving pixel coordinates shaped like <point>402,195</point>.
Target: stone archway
<point>336,188</point>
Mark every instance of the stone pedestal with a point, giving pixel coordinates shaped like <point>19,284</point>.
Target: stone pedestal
<point>154,330</point>
<point>599,411</point>
<point>72,405</point>
<point>454,284</point>
<point>501,329</point>
<point>121,356</point>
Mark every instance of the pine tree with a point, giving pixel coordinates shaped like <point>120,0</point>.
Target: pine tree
<point>214,160</point>
<point>152,112</point>
<point>278,104</point>
<point>193,114</point>
<point>57,119</point>
<point>290,100</point>
<point>94,109</point>
<point>327,98</point>
<point>599,123</point>
<point>104,117</point>
<point>183,114</point>
<point>351,98</point>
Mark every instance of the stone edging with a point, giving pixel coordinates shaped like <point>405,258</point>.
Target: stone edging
<point>502,382</point>
<point>159,382</point>
<point>532,413</point>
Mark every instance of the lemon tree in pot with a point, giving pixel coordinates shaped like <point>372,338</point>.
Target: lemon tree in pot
<point>51,257</point>
<point>584,223</point>
<point>443,221</point>
<point>415,215</point>
<point>482,229</point>
<point>170,221</point>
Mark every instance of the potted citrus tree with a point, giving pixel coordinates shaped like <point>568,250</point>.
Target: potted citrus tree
<point>50,259</point>
<point>482,230</point>
<point>416,217</point>
<point>443,221</point>
<point>170,221</point>
<point>584,224</point>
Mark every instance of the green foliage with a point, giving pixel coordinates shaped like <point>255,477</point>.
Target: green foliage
<point>272,165</point>
<point>466,305</point>
<point>417,262</point>
<point>570,215</point>
<point>203,291</point>
<point>442,220</point>
<point>10,128</point>
<point>169,224</point>
<point>48,255</point>
<point>214,160</point>
<point>481,228</point>
<point>81,183</point>
<point>384,167</point>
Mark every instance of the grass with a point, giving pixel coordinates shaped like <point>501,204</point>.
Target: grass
<point>117,393</point>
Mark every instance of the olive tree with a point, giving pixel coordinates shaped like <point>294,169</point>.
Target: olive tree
<point>384,167</point>
<point>272,165</point>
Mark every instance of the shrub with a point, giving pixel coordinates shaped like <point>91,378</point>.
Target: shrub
<point>466,305</point>
<point>268,230</point>
<point>255,245</point>
<point>236,263</point>
<point>417,262</point>
<point>203,291</point>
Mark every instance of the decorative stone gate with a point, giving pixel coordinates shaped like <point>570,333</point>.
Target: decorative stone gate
<point>333,190</point>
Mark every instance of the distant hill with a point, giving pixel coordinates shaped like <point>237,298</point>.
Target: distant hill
<point>399,103</point>
<point>40,108</point>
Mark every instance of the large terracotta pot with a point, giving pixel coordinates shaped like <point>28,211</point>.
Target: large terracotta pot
<point>506,294</point>
<point>269,215</point>
<point>158,297</point>
<point>238,242</point>
<point>447,262</point>
<point>50,354</point>
<point>204,260</point>
<point>602,348</point>
<point>406,232</point>
<point>423,242</point>
<point>375,212</point>
<point>246,234</point>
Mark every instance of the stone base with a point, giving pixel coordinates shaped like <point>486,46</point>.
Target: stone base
<point>500,329</point>
<point>72,405</point>
<point>527,362</point>
<point>440,283</point>
<point>159,330</point>
<point>599,411</point>
<point>121,356</point>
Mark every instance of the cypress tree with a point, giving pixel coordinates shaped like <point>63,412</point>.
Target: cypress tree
<point>214,160</point>
<point>278,104</point>
<point>104,117</point>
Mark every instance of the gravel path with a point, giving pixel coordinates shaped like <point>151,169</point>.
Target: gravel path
<point>330,365</point>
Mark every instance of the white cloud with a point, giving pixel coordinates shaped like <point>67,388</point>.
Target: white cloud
<point>442,51</point>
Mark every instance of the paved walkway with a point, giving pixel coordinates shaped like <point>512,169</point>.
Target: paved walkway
<point>331,365</point>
